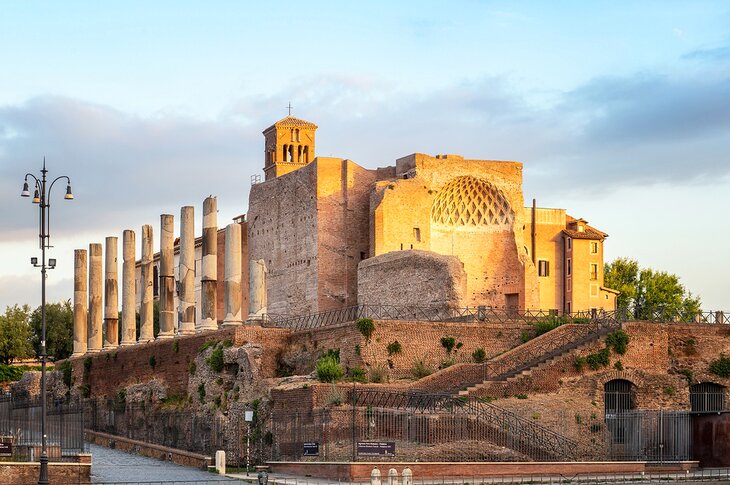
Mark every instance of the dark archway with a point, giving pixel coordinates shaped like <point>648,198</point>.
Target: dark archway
<point>707,397</point>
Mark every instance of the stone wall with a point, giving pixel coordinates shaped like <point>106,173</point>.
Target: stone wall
<point>24,473</point>
<point>413,277</point>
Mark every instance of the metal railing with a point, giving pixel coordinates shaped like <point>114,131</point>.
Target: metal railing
<point>478,314</point>
<point>20,424</point>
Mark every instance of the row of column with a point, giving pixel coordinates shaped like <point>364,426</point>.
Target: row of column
<point>88,287</point>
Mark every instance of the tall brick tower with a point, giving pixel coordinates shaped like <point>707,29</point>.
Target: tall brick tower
<point>289,145</point>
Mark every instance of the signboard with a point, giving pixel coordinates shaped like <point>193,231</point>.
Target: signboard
<point>376,448</point>
<point>6,449</point>
<point>311,449</point>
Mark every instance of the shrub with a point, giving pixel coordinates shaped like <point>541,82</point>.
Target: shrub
<point>227,343</point>
<point>201,391</point>
<point>521,396</point>
<point>334,353</point>
<point>688,374</point>
<point>618,365</point>
<point>219,381</point>
<point>599,359</point>
<point>85,390</point>
<point>87,364</point>
<point>579,363</point>
<point>447,363</point>
<point>618,341</point>
<point>721,367</point>
<point>357,374</point>
<point>578,419</point>
<point>175,346</point>
<point>448,343</point>
<point>479,355</point>
<point>215,361</point>
<point>328,369</point>
<point>669,390</point>
<point>596,427</point>
<point>153,361</point>
<point>192,367</point>
<point>357,349</point>
<point>66,372</point>
<point>208,344</point>
<point>420,370</point>
<point>120,400</point>
<point>378,374</point>
<point>394,348</point>
<point>366,327</point>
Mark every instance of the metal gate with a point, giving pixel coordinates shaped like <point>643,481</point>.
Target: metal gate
<point>655,436</point>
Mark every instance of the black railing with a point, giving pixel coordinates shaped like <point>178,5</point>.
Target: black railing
<point>478,314</point>
<point>20,424</point>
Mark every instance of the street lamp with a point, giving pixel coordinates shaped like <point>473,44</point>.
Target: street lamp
<point>41,196</point>
<point>248,417</point>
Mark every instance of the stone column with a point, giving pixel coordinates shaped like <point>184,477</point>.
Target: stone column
<point>167,277</point>
<point>233,275</point>
<point>186,270</point>
<point>146,322</point>
<point>256,288</point>
<point>129,332</point>
<point>209,273</point>
<point>81,313</point>
<point>96,288</point>
<point>111,295</point>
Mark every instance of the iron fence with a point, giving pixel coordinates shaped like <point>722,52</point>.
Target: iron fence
<point>478,314</point>
<point>203,433</point>
<point>20,424</point>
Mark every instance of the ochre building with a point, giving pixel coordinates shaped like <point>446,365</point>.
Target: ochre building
<point>326,233</point>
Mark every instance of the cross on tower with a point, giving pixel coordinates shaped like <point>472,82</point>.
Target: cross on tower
<point>289,108</point>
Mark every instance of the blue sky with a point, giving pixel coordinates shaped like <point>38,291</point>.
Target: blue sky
<point>620,111</point>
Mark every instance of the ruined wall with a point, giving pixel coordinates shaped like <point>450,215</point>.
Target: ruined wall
<point>343,210</point>
<point>412,277</point>
<point>471,209</point>
<point>282,231</point>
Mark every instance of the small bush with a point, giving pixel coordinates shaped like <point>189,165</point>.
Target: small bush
<point>420,370</point>
<point>669,390</point>
<point>366,327</point>
<point>535,416</point>
<point>227,343</point>
<point>721,367</point>
<point>447,363</point>
<point>208,344</point>
<point>521,396</point>
<point>357,349</point>
<point>192,367</point>
<point>66,372</point>
<point>334,353</point>
<point>328,369</point>
<point>201,391</point>
<point>87,364</point>
<point>357,374</point>
<point>580,363</point>
<point>618,341</point>
<point>448,343</point>
<point>215,361</point>
<point>175,346</point>
<point>596,427</point>
<point>153,361</point>
<point>378,374</point>
<point>219,381</point>
<point>578,419</point>
<point>599,359</point>
<point>394,348</point>
<point>85,390</point>
<point>688,374</point>
<point>618,365</point>
<point>479,355</point>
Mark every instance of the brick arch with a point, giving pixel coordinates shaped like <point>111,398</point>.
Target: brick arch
<point>636,378</point>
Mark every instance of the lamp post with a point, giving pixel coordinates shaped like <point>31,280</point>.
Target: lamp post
<point>248,417</point>
<point>41,196</point>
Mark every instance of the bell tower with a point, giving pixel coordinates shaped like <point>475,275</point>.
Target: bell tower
<point>288,146</point>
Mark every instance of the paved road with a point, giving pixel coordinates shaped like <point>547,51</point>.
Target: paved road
<point>117,466</point>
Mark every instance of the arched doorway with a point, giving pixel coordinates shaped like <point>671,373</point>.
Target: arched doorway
<point>707,397</point>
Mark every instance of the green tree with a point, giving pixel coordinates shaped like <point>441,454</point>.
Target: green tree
<point>59,329</point>
<point>649,294</point>
<point>15,334</point>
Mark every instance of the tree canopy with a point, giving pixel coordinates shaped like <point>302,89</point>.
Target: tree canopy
<point>59,329</point>
<point>648,294</point>
<point>15,334</point>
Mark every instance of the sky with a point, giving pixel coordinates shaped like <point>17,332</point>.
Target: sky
<point>620,112</point>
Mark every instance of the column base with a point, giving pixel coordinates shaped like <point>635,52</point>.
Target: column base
<point>232,321</point>
<point>78,354</point>
<point>186,328</point>
<point>145,340</point>
<point>127,344</point>
<point>165,336</point>
<point>206,325</point>
<point>93,351</point>
<point>109,347</point>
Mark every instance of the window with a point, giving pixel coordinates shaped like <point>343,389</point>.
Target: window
<point>570,243</point>
<point>707,397</point>
<point>417,234</point>
<point>569,284</point>
<point>570,267</point>
<point>594,247</point>
<point>594,271</point>
<point>543,267</point>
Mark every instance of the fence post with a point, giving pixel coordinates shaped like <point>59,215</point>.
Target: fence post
<point>375,476</point>
<point>392,476</point>
<point>408,476</point>
<point>354,448</point>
